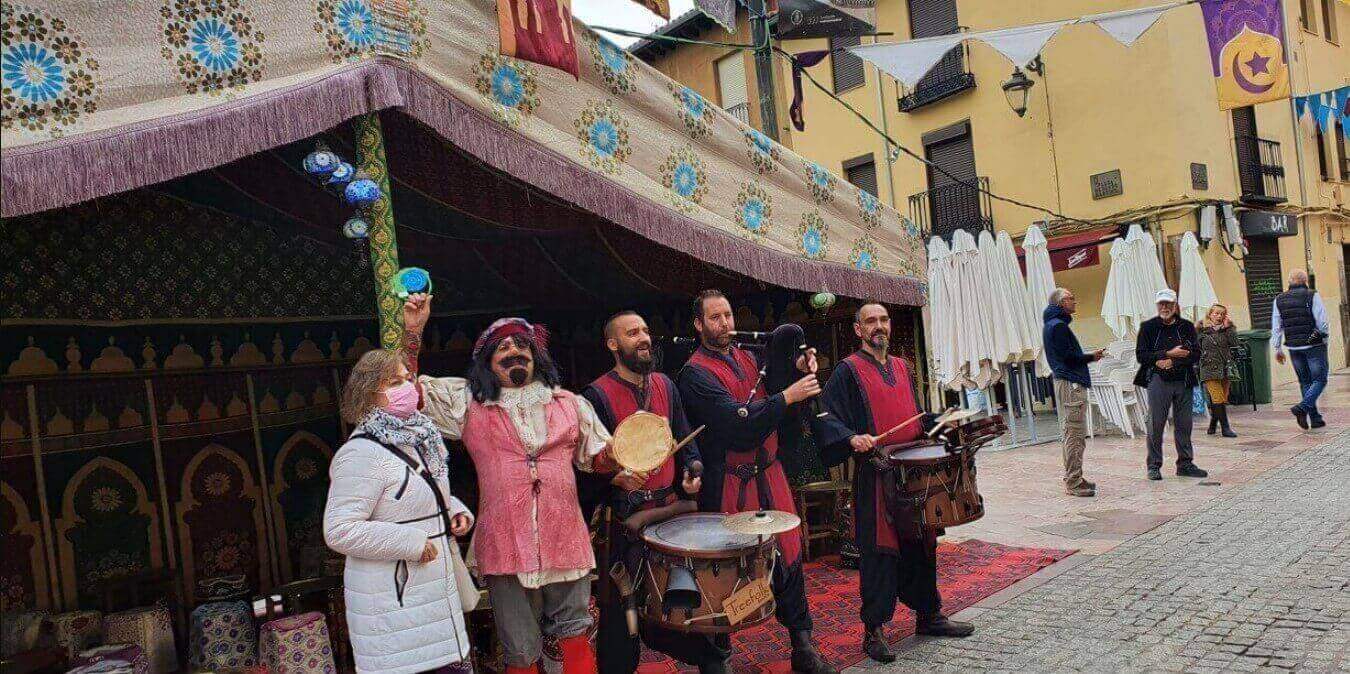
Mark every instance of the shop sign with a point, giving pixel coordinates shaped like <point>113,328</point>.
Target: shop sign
<point>1267,224</point>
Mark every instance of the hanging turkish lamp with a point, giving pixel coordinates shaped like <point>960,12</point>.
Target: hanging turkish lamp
<point>358,230</point>
<point>322,161</point>
<point>342,175</point>
<point>361,192</point>
<point>823,300</point>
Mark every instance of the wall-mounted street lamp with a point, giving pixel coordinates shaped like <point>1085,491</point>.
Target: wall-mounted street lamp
<point>1019,85</point>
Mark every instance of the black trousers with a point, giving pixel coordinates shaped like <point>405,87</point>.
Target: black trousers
<point>910,577</point>
<point>789,591</point>
<point>618,653</point>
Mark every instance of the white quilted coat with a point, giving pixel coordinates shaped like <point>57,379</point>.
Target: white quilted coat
<point>371,491</point>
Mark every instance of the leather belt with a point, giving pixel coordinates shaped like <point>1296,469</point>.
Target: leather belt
<point>640,497</point>
<point>753,470</point>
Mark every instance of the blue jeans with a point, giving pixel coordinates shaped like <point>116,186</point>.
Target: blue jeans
<point>1310,365</point>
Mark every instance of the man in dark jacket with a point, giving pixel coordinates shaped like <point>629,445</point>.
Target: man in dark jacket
<point>1168,349</point>
<point>1298,320</point>
<point>1072,381</point>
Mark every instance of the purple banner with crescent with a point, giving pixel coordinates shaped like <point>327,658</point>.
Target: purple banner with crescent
<point>1245,50</point>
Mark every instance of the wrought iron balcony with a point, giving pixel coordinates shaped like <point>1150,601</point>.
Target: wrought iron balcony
<point>740,111</point>
<point>946,208</point>
<point>1260,170</point>
<point>948,78</point>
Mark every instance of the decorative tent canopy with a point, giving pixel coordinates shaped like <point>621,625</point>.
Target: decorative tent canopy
<point>154,95</point>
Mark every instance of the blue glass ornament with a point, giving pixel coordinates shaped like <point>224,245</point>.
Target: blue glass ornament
<point>410,280</point>
<point>321,161</point>
<point>356,227</point>
<point>362,192</point>
<point>342,174</point>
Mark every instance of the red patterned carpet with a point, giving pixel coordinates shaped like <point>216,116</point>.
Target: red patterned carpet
<point>968,572</point>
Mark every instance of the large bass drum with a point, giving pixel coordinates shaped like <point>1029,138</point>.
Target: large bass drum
<point>934,485</point>
<point>693,564</point>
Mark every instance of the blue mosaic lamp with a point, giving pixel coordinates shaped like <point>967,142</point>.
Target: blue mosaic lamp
<point>356,227</point>
<point>322,161</point>
<point>362,191</point>
<point>341,175</point>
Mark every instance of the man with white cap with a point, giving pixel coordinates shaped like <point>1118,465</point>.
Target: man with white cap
<point>1168,349</point>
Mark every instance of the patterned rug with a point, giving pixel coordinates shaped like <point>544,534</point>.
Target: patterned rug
<point>967,573</point>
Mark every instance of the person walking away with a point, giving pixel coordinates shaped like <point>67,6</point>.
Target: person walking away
<point>1218,338</point>
<point>403,609</point>
<point>1167,350</point>
<point>1299,321</point>
<point>1072,381</point>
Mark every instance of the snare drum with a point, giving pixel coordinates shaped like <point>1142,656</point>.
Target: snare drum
<point>693,565</point>
<point>941,482</point>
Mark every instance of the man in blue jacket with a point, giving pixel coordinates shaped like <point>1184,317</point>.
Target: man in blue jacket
<point>1072,381</point>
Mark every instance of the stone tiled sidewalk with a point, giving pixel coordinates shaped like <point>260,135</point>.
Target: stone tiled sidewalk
<point>1252,574</point>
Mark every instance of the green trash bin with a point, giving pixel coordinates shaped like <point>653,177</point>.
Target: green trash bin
<point>1254,369</point>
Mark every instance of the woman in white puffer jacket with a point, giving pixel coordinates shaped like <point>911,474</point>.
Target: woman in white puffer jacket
<point>403,609</point>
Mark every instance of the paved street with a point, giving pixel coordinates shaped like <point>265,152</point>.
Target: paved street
<point>1253,577</point>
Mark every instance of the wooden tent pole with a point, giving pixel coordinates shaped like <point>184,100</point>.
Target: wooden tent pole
<point>380,215</point>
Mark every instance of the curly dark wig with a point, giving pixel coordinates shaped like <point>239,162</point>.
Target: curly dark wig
<point>483,381</point>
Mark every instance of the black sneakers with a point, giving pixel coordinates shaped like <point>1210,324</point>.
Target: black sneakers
<point>1300,415</point>
<point>1154,474</point>
<point>940,626</point>
<point>1189,470</point>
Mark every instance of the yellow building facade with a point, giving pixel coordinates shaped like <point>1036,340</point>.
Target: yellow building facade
<point>1110,134</point>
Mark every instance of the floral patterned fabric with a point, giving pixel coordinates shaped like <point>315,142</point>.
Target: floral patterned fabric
<point>78,630</point>
<point>297,645</point>
<point>223,636</point>
<point>150,629</point>
<point>21,631</point>
<point>69,72</point>
<point>119,655</point>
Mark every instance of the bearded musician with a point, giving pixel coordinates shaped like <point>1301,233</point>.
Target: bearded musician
<point>870,392</point>
<point>740,448</point>
<point>525,435</point>
<point>627,388</point>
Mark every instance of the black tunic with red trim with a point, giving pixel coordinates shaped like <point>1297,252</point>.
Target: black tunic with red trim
<point>741,470</point>
<point>615,399</point>
<point>865,396</point>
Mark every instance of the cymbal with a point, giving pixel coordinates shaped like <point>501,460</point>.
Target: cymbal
<point>957,415</point>
<point>762,522</point>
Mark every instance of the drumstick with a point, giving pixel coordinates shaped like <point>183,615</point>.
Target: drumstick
<point>688,438</point>
<point>901,425</point>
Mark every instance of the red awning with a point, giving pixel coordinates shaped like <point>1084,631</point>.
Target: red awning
<point>1074,251</point>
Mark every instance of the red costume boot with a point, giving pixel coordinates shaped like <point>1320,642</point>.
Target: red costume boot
<point>578,655</point>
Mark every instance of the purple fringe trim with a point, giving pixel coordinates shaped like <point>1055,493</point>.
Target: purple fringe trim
<point>64,172</point>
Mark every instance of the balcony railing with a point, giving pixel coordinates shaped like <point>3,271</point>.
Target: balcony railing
<point>948,78</point>
<point>740,111</point>
<point>944,209</point>
<point>1260,170</point>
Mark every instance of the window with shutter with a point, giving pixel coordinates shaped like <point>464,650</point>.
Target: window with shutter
<point>846,68</point>
<point>1329,19</point>
<point>731,86</point>
<point>930,18</point>
<point>862,173</point>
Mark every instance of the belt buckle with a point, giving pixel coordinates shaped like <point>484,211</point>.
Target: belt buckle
<point>637,497</point>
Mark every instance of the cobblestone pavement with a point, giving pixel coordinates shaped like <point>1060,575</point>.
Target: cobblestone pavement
<point>1258,579</point>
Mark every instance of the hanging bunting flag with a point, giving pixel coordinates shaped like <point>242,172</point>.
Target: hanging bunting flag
<point>721,11</point>
<point>1021,45</point>
<point>1300,107</point>
<point>1323,115</point>
<point>1126,26</point>
<point>539,31</point>
<point>1342,98</point>
<point>800,19</point>
<point>660,8</point>
<point>1246,54</point>
<point>909,61</point>
<point>799,62</point>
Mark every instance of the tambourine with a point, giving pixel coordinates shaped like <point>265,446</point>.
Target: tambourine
<point>410,280</point>
<point>642,442</point>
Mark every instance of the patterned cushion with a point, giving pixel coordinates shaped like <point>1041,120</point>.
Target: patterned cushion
<point>297,644</point>
<point>78,630</point>
<point>105,667</point>
<point>223,636</point>
<point>126,653</point>
<point>149,628</point>
<point>20,632</point>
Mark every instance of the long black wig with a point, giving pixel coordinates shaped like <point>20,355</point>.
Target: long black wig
<point>483,383</point>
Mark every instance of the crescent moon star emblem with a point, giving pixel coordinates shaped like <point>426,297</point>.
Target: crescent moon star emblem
<point>1246,84</point>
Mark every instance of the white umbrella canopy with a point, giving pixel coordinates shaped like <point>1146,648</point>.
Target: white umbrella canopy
<point>999,315</point>
<point>1135,278</point>
<point>969,291</point>
<point>1117,303</point>
<point>1196,293</point>
<point>1146,256</point>
<point>1023,317</point>
<point>939,304</point>
<point>1040,283</point>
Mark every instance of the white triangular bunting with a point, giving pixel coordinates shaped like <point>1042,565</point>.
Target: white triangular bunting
<point>1126,26</point>
<point>1022,44</point>
<point>909,61</point>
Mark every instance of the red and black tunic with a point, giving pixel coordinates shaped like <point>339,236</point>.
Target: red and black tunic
<point>615,399</point>
<point>741,470</point>
<point>865,396</point>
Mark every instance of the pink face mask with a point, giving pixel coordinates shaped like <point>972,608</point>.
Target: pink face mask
<point>402,400</point>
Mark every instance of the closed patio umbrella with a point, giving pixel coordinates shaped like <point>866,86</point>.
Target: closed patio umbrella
<point>1040,283</point>
<point>1117,303</point>
<point>939,307</point>
<point>970,294</point>
<point>1196,293</point>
